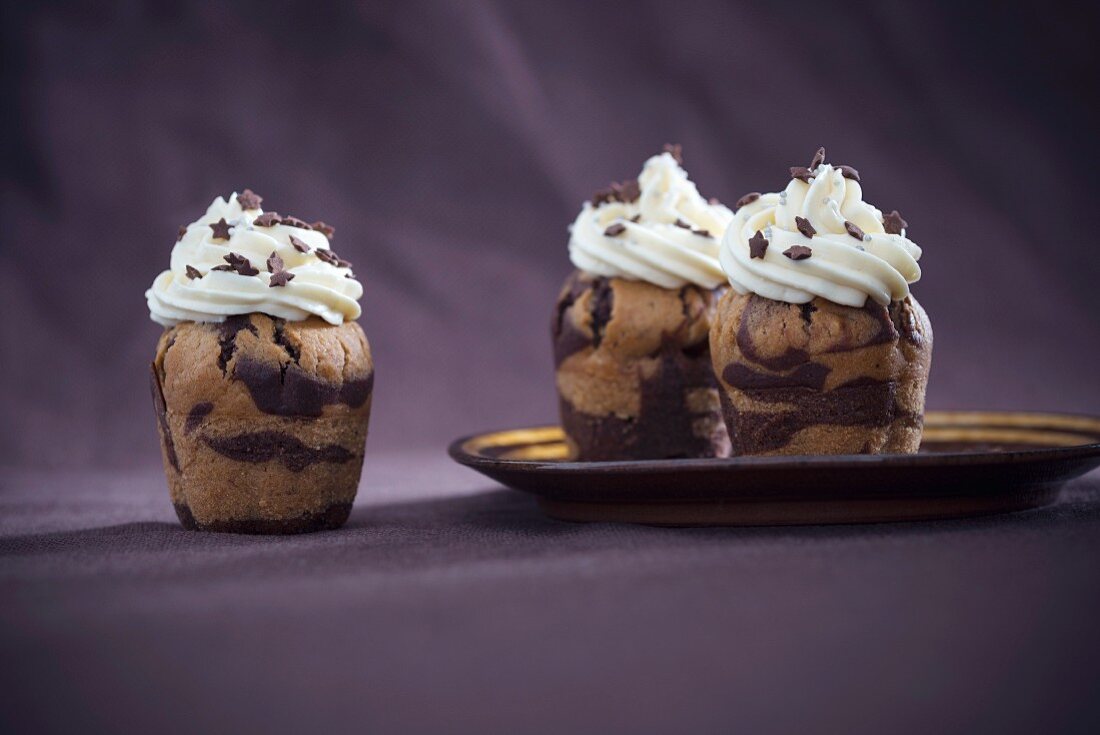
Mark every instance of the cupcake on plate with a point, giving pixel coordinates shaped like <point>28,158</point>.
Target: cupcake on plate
<point>819,346</point>
<point>633,367</point>
<point>262,381</point>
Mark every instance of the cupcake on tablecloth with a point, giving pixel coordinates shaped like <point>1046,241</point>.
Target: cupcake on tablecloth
<point>819,346</point>
<point>633,367</point>
<point>262,381</point>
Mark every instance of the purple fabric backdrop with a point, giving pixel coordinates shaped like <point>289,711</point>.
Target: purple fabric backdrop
<point>451,143</point>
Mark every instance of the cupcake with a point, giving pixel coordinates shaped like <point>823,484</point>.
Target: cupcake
<point>818,345</point>
<point>633,367</point>
<point>262,381</point>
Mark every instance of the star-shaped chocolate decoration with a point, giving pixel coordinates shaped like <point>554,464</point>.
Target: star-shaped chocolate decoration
<point>267,219</point>
<point>180,233</point>
<point>249,199</point>
<point>893,223</point>
<point>300,246</point>
<point>749,198</point>
<point>325,229</point>
<point>280,278</point>
<point>193,273</point>
<point>603,196</point>
<point>331,258</point>
<point>614,230</point>
<point>849,173</point>
<point>853,230</point>
<point>240,264</point>
<point>804,226</point>
<point>295,222</point>
<point>798,252</point>
<point>676,151</point>
<point>801,172</point>
<point>758,245</point>
<point>275,263</point>
<point>221,229</point>
<point>818,159</point>
<point>628,191</point>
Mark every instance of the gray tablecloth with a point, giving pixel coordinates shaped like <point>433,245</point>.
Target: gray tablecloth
<point>450,605</point>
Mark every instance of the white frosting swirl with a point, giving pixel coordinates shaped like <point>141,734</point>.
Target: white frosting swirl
<point>318,288</point>
<point>842,268</point>
<point>653,247</point>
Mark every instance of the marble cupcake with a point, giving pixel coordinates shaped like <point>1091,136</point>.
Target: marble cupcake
<point>633,366</point>
<point>262,381</point>
<point>819,346</point>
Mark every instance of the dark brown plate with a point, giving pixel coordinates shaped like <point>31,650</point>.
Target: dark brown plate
<point>970,463</point>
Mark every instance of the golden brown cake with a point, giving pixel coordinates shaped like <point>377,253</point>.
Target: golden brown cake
<point>262,381</point>
<point>633,369</point>
<point>263,421</point>
<point>819,346</point>
<point>821,378</point>
<point>634,372</point>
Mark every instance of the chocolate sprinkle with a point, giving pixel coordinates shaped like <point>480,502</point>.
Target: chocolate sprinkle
<point>332,258</point>
<point>240,264</point>
<point>804,226</point>
<point>300,246</point>
<point>798,252</point>
<point>193,273</point>
<point>749,198</point>
<point>221,229</point>
<point>853,230</point>
<point>676,151</point>
<point>325,229</point>
<point>628,191</point>
<point>222,268</point>
<point>180,233</point>
<point>616,229</point>
<point>603,196</point>
<point>818,159</point>
<point>295,222</point>
<point>849,173</point>
<point>636,218</point>
<point>758,245</point>
<point>249,199</point>
<point>680,223</point>
<point>893,223</point>
<point>275,263</point>
<point>701,232</point>
<point>267,219</point>
<point>801,172</point>
<point>280,278</point>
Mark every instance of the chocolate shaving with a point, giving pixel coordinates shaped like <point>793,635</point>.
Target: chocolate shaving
<point>268,219</point>
<point>295,222</point>
<point>801,172</point>
<point>193,273</point>
<point>758,245</point>
<point>616,229</point>
<point>676,151</point>
<point>853,230</point>
<point>240,264</point>
<point>275,263</point>
<point>680,223</point>
<point>749,198</point>
<point>848,172</point>
<point>325,229</point>
<point>893,223</point>
<point>280,278</point>
<point>628,191</point>
<point>298,245</point>
<point>804,226</point>
<point>249,199</point>
<point>701,232</point>
<point>180,233</point>
<point>636,218</point>
<point>798,252</point>
<point>818,159</point>
<point>221,229</point>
